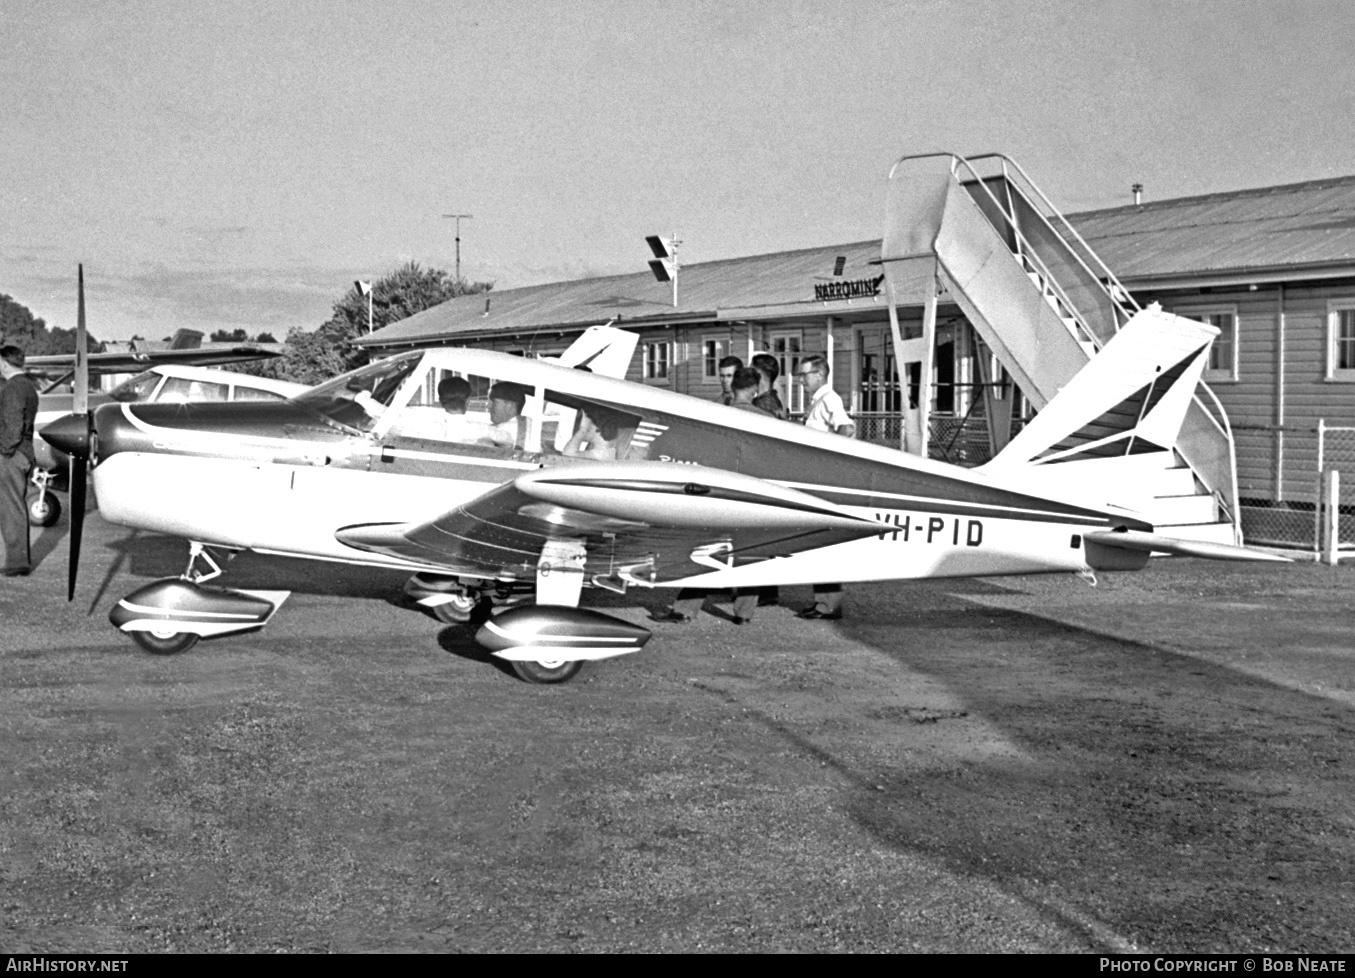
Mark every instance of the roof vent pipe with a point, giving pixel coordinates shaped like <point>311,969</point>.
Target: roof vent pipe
<point>1138,193</point>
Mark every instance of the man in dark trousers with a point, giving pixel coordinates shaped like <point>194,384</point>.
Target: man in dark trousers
<point>18,408</point>
<point>742,389</point>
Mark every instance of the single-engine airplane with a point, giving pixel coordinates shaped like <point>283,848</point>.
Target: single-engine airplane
<point>556,480</point>
<point>183,371</point>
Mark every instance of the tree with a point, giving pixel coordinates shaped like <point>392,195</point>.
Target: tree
<point>409,289</point>
<point>19,327</point>
<point>265,338</point>
<point>307,358</point>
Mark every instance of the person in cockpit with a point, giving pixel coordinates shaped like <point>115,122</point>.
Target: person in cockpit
<point>453,394</point>
<point>596,436</point>
<point>506,401</point>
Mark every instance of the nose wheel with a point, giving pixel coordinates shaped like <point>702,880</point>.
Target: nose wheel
<point>164,643</point>
<point>46,509</point>
<point>547,673</point>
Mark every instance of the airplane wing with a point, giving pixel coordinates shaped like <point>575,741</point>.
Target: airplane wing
<point>643,522</point>
<point>122,363</point>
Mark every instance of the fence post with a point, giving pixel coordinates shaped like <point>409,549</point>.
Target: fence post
<point>1331,516</point>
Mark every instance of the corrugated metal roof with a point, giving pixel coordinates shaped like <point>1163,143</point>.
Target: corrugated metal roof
<point>1294,226</point>
<point>708,290</point>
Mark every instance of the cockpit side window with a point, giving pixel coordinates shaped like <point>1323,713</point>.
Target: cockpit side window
<point>583,429</point>
<point>180,390</point>
<point>467,410</point>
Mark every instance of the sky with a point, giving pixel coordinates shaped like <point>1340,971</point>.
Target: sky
<point>239,164</point>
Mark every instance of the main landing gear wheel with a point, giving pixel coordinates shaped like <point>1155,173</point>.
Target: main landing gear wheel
<point>458,611</point>
<point>547,673</point>
<point>45,510</point>
<point>164,643</point>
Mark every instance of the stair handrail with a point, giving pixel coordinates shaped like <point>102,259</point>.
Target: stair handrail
<point>1106,279</point>
<point>1226,427</point>
<point>1029,253</point>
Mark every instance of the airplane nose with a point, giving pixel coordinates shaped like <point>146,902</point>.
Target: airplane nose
<point>69,434</point>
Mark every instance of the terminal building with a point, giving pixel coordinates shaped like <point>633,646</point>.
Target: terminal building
<point>1273,268</point>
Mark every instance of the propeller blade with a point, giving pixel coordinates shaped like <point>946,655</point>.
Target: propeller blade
<point>80,404</point>
<point>79,474</point>
<point>79,447</point>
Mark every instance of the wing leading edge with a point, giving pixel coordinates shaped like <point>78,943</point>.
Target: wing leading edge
<point>647,522</point>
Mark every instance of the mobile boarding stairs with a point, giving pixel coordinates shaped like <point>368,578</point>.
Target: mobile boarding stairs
<point>1044,303</point>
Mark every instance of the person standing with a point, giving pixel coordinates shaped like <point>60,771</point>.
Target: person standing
<point>826,413</point>
<point>767,398</point>
<point>742,388</point>
<point>727,367</point>
<point>18,409</point>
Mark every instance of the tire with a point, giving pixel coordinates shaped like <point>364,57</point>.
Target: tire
<point>165,643</point>
<point>456,611</point>
<point>45,510</point>
<point>547,673</point>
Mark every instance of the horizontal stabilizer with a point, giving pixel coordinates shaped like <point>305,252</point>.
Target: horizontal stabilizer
<point>1142,542</point>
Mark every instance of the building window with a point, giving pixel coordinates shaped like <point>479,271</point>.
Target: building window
<point>1341,340</point>
<point>713,351</point>
<point>657,358</point>
<point>1222,363</point>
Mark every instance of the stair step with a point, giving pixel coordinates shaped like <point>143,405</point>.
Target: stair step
<point>1181,510</point>
<point>1173,482</point>
<point>1147,466</point>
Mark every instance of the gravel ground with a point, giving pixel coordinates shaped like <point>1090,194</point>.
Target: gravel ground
<point>1162,763</point>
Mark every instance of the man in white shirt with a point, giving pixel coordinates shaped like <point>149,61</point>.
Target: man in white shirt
<point>826,410</point>
<point>453,394</point>
<point>826,413</point>
<point>506,401</point>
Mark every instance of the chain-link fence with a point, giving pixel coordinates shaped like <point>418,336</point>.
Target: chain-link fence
<point>1296,522</point>
<point>1336,450</point>
<point>1266,521</point>
<point>961,441</point>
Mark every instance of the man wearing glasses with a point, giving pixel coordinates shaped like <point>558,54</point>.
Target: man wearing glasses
<point>826,413</point>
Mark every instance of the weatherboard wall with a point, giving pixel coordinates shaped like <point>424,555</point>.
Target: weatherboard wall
<point>1281,392</point>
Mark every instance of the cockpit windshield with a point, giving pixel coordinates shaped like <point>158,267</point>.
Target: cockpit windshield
<point>358,398</point>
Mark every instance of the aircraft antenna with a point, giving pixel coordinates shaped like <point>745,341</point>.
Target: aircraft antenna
<point>457,218</point>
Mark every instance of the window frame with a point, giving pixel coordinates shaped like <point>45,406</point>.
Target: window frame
<point>1216,375</point>
<point>710,361</point>
<point>649,364</point>
<point>1334,373</point>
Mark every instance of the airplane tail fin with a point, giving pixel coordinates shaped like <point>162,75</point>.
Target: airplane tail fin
<point>1131,399</point>
<point>186,339</point>
<point>605,350</point>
